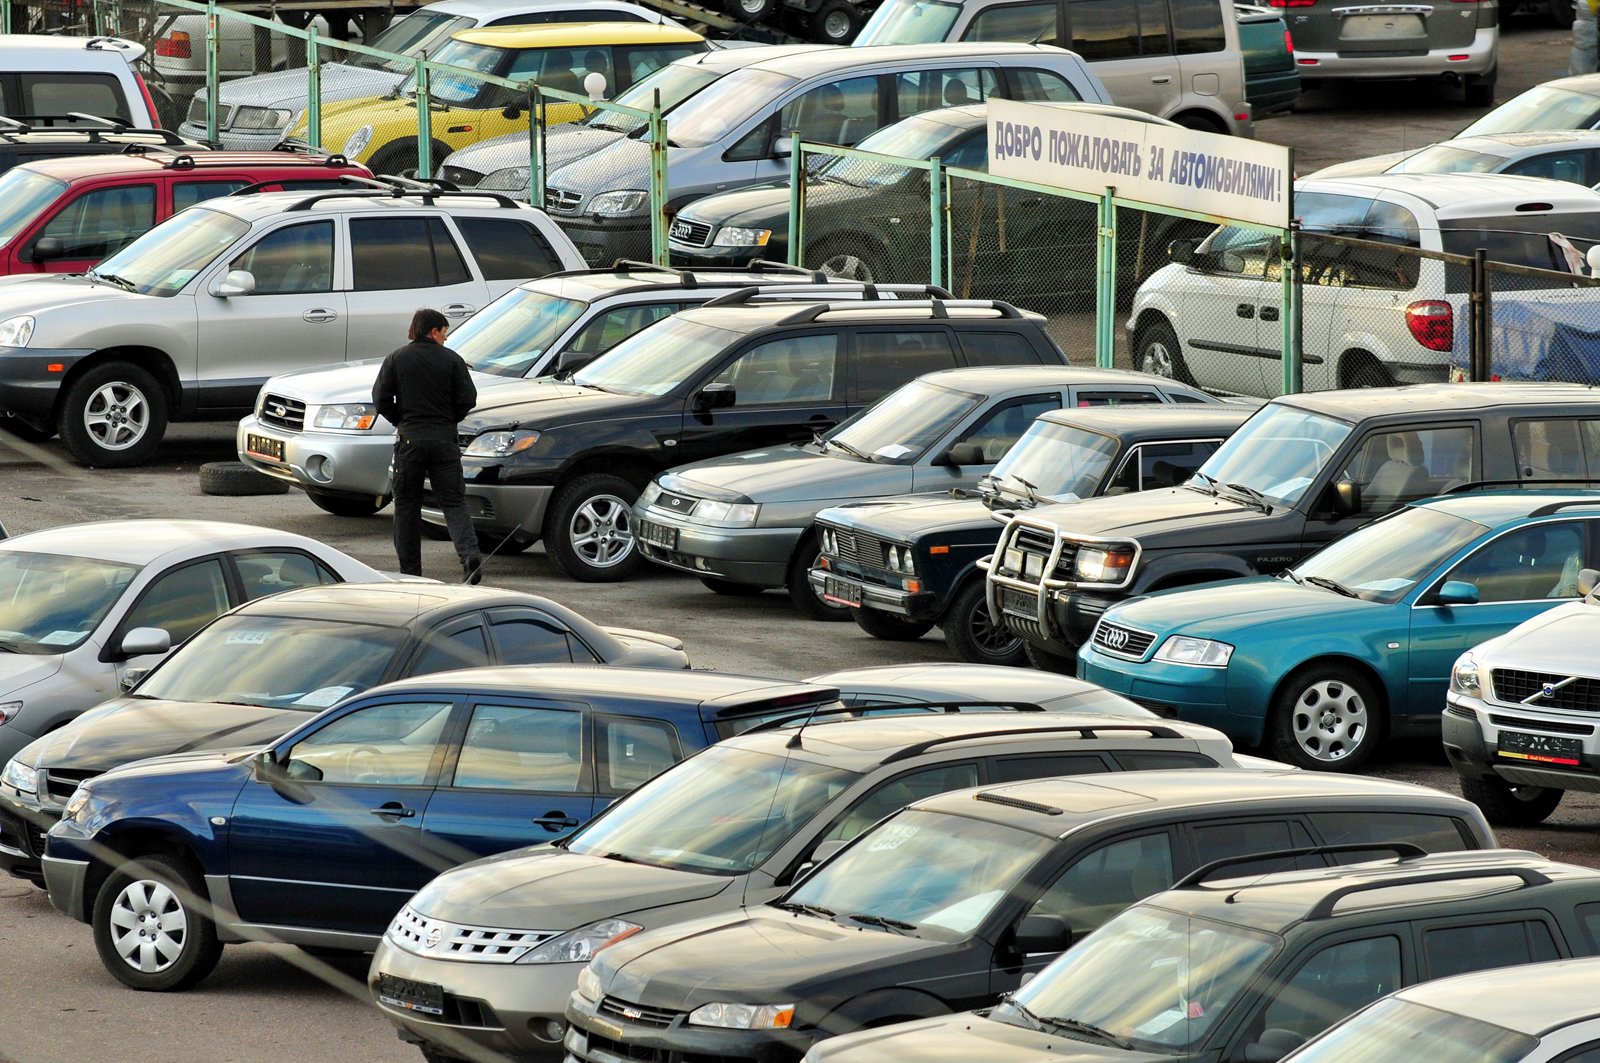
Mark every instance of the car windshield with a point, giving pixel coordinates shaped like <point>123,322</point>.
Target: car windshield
<point>901,426</point>
<point>1541,107</point>
<point>23,194</point>
<point>50,603</point>
<point>1156,980</point>
<point>457,86</point>
<point>913,138</point>
<point>926,873</point>
<point>719,813</point>
<point>910,22</point>
<point>657,358</point>
<point>512,333</point>
<point>1398,1031</point>
<point>1444,158</point>
<point>1054,462</point>
<point>675,82</point>
<point>1384,560</point>
<point>714,111</point>
<point>284,662</point>
<point>1279,453</point>
<point>411,35</point>
<point>167,257</point>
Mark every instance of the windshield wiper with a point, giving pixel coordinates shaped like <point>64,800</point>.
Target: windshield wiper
<point>883,921</point>
<point>848,449</point>
<point>1253,495</point>
<point>1010,1001</point>
<point>1331,584</point>
<point>111,278</point>
<point>1089,1028</point>
<point>1293,576</point>
<point>1031,488</point>
<point>621,858</point>
<point>805,909</point>
<point>1202,476</point>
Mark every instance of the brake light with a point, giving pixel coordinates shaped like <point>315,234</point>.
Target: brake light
<point>1288,42</point>
<point>174,46</point>
<point>1432,324</point>
<point>149,101</point>
<point>1291,3</point>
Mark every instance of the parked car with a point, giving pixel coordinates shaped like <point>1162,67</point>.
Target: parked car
<point>64,215</point>
<point>1378,314</point>
<point>381,130</point>
<point>186,322</point>
<point>1231,962</point>
<point>1551,1015</point>
<point>259,671</point>
<point>1564,103</point>
<point>1518,712</point>
<point>1370,42</point>
<point>1305,470</point>
<point>735,131</point>
<point>329,828</point>
<point>565,461</point>
<point>951,686</point>
<point>957,900</point>
<point>88,604</point>
<point>731,826</point>
<point>42,74</point>
<point>329,440</point>
<point>1271,78</point>
<point>1192,73</point>
<point>937,538</point>
<point>1353,645</point>
<point>61,136</point>
<point>1559,154</point>
<point>747,522</point>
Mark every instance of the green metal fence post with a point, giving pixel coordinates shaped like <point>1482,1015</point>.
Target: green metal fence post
<point>98,17</point>
<point>535,145</point>
<point>658,183</point>
<point>936,222</point>
<point>313,87</point>
<point>5,16</point>
<point>213,70</point>
<point>797,198</point>
<point>1105,290</point>
<point>424,123</point>
<point>1289,266</point>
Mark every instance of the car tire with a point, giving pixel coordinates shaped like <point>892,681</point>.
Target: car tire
<point>28,431</point>
<point>1325,718</point>
<point>235,479</point>
<point>1156,350</point>
<point>888,627</point>
<point>1506,805</point>
<point>1047,661</point>
<point>1562,14</point>
<point>751,10</point>
<point>347,505</point>
<point>848,260</point>
<point>148,926</point>
<point>972,634</point>
<point>1479,89</point>
<point>114,416</point>
<point>588,531</point>
<point>729,588</point>
<point>836,22</point>
<point>807,601</point>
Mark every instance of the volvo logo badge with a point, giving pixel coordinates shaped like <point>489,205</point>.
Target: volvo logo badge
<point>1114,638</point>
<point>1548,690</point>
<point>435,935</point>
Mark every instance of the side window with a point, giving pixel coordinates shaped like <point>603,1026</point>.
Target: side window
<point>1241,838</point>
<point>1016,769</point>
<point>1532,562</point>
<point>1197,24</point>
<point>508,250</point>
<point>998,348</point>
<point>1158,760</point>
<point>1153,36</point>
<point>391,253</point>
<point>1104,29</point>
<point>1115,398</point>
<point>1239,253</point>
<point>924,90</point>
<point>98,223</point>
<point>1434,834</point>
<point>99,94</point>
<point>638,63</point>
<point>632,751</point>
<point>841,112</point>
<point>524,640</point>
<point>1559,166</point>
<point>381,744</point>
<point>1153,465</point>
<point>897,793</point>
<point>1459,949</point>
<point>1394,468</point>
<point>1589,915</point>
<point>1014,22</point>
<point>609,328</point>
<point>264,572</point>
<point>182,601</point>
<point>885,360</point>
<point>1041,86</point>
<point>1557,450</point>
<point>188,193</point>
<point>971,154</point>
<point>792,370</point>
<point>1002,426</point>
<point>1103,881</point>
<point>464,648</point>
<point>519,747</point>
<point>1589,1053</point>
<point>1332,983</point>
<point>294,259</point>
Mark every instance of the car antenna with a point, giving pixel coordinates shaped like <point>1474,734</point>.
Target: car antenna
<point>794,739</point>
<point>792,744</point>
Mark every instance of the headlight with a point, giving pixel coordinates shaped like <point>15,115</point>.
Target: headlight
<point>726,512</point>
<point>589,985</point>
<point>351,417</point>
<point>734,236</point>
<point>1181,649</point>
<point>20,776</point>
<point>265,118</point>
<point>828,541</point>
<point>618,203</point>
<point>510,179</point>
<point>1103,564</point>
<point>580,945</point>
<point>743,1016</point>
<point>357,143</point>
<point>76,803</point>
<point>16,331</point>
<point>1025,563</point>
<point>899,560</point>
<point>1463,678</point>
<point>651,492</point>
<point>499,444</point>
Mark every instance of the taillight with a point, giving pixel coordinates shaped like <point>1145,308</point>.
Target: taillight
<point>1288,42</point>
<point>174,46</point>
<point>1291,3</point>
<point>1432,324</point>
<point>149,101</point>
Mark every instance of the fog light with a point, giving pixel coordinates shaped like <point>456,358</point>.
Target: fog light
<point>319,468</point>
<point>551,1030</point>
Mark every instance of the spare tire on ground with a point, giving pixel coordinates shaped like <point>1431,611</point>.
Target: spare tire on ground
<point>235,478</point>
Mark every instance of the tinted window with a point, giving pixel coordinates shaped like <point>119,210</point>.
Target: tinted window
<point>1574,166</point>
<point>379,744</point>
<point>1220,841</point>
<point>1435,834</point>
<point>1002,426</point>
<point>1538,561</point>
<point>1014,22</point>
<point>637,63</point>
<point>188,193</point>
<point>1013,769</point>
<point>1153,465</point>
<point>998,348</point>
<point>98,94</point>
<point>390,253</point>
<point>795,369</point>
<point>1115,398</point>
<point>885,360</point>
<point>98,223</point>
<point>507,249</point>
<point>1334,982</point>
<point>632,751</point>
<point>1589,914</point>
<point>1104,29</point>
<point>524,640</point>
<point>523,748</point>
<point>182,600</point>
<point>296,258</point>
<point>1158,760</point>
<point>1459,949</point>
<point>1041,86</point>
<point>459,649</point>
<point>1557,450</point>
<point>924,90</point>
<point>1197,25</point>
<point>840,112</point>
<point>610,327</point>
<point>1153,37</point>
<point>897,793</point>
<point>265,572</point>
<point>1106,880</point>
<point>1521,240</point>
<point>1393,468</point>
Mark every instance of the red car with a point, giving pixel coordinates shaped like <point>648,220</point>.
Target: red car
<point>64,215</point>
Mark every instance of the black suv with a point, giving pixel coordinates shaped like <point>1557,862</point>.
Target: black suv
<point>566,459</point>
<point>1228,966</point>
<point>910,562</point>
<point>55,136</point>
<point>1305,470</point>
<point>959,898</point>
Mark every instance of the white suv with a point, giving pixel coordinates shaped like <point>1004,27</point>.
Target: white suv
<point>189,320</point>
<point>45,75</point>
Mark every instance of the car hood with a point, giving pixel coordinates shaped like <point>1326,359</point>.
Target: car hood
<point>21,670</point>
<point>536,401</point>
<point>766,953</point>
<point>1361,167</point>
<point>781,474</point>
<point>552,889</point>
<point>907,517</point>
<point>964,1037</point>
<point>562,144</point>
<point>65,293</point>
<point>346,382</point>
<point>1559,641</point>
<point>760,206</point>
<point>1237,605</point>
<point>287,88</point>
<point>621,163</point>
<point>1147,515</point>
<point>134,728</point>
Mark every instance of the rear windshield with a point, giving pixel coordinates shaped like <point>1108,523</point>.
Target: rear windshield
<point>1517,239</point>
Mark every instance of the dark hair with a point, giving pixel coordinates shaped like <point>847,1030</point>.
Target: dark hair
<point>425,321</point>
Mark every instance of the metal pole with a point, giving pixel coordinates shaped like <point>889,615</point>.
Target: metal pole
<point>213,68</point>
<point>936,222</point>
<point>535,145</point>
<point>1481,364</point>
<point>424,123</point>
<point>658,184</point>
<point>314,87</point>
<point>1105,291</point>
<point>797,198</point>
<point>1289,270</point>
<point>5,16</point>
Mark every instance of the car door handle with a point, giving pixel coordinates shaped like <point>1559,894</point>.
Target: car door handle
<point>393,810</point>
<point>556,821</point>
<point>1245,310</point>
<point>1269,313</point>
<point>1161,79</point>
<point>319,315</point>
<point>459,310</point>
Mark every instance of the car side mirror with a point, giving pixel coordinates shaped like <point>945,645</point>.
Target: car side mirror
<point>1588,578</point>
<point>964,454</point>
<point>572,361</point>
<point>815,860</point>
<point>267,766</point>
<point>1346,497</point>
<point>715,397</point>
<point>143,640</point>
<point>782,148</point>
<point>1273,1044</point>
<point>1458,592</point>
<point>1043,933</point>
<point>47,248</point>
<point>1182,251</point>
<point>131,677</point>
<point>237,282</point>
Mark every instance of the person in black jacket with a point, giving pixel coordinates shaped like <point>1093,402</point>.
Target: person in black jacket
<point>424,390</point>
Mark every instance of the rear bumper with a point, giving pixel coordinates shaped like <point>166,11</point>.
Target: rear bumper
<point>1476,58</point>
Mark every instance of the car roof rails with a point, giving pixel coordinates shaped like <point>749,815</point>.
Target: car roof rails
<point>91,126</point>
<point>1196,878</point>
<point>1085,730</point>
<point>1496,485</point>
<point>1529,876</point>
<point>821,283</point>
<point>910,708</point>
<point>388,186</point>
<point>296,146</point>
<point>937,308</point>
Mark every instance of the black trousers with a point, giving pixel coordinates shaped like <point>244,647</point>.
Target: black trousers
<point>439,462</point>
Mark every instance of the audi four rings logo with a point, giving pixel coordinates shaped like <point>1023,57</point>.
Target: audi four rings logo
<point>1548,690</point>
<point>1114,638</point>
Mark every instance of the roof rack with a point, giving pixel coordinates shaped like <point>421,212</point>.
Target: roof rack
<point>1087,730</point>
<point>177,160</point>
<point>390,187</point>
<point>1196,878</point>
<point>910,708</point>
<point>296,146</point>
<point>689,279</point>
<point>95,132</point>
<point>938,308</point>
<point>1324,907</point>
<point>867,289</point>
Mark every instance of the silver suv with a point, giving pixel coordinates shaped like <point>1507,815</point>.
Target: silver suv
<point>189,320</point>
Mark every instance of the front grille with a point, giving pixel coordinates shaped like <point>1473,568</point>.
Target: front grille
<point>860,548</point>
<point>1513,686</point>
<point>465,1011</point>
<point>672,502</point>
<point>1518,724</point>
<point>281,411</point>
<point>1121,641</point>
<point>693,233</point>
<point>562,200</point>
<point>602,1047</point>
<point>1032,540</point>
<point>24,835</point>
<point>60,782</point>
<point>420,934</point>
<point>638,1014</point>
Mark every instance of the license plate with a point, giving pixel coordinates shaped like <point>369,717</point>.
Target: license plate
<point>1382,27</point>
<point>841,592</point>
<point>263,447</point>
<point>1019,602</point>
<point>680,230</point>
<point>657,535</point>
<point>1540,749</point>
<point>424,997</point>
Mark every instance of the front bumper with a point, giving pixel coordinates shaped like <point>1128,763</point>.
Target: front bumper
<point>593,1038</point>
<point>22,839</point>
<point>920,605</point>
<point>67,882</point>
<point>1471,730</point>
<point>728,257</point>
<point>1176,691</point>
<point>756,556</point>
<point>29,386</point>
<point>499,509</point>
<point>1053,618</point>
<point>603,242</point>
<point>346,463</point>
<point>1477,58</point>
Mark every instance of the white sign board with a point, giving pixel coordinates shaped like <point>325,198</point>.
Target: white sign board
<point>1156,164</point>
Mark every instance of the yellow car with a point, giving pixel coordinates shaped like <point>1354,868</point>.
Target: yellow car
<point>381,131</point>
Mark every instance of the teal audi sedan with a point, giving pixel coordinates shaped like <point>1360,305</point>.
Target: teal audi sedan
<point>1320,663</point>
